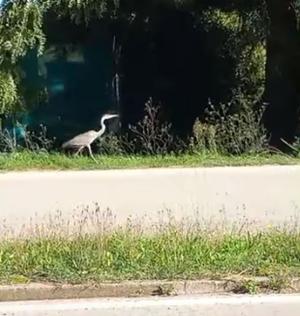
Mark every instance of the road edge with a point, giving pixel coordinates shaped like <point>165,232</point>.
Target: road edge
<point>129,289</point>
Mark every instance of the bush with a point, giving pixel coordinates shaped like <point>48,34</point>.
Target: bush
<point>151,136</point>
<point>114,145</point>
<point>204,137</point>
<point>8,141</point>
<point>32,141</point>
<point>231,132</point>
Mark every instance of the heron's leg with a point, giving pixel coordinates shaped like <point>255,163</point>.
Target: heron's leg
<point>79,151</point>
<point>91,153</point>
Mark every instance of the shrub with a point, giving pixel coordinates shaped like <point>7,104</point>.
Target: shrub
<point>151,136</point>
<point>114,145</point>
<point>32,141</point>
<point>231,132</point>
<point>204,137</point>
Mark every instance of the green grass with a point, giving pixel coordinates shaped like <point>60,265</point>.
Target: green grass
<point>126,255</point>
<point>41,161</point>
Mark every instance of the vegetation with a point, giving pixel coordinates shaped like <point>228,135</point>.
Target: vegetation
<point>43,161</point>
<point>252,47</point>
<point>246,37</point>
<point>130,254</point>
<point>237,141</point>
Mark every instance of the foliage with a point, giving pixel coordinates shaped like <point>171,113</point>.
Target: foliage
<point>32,141</point>
<point>115,145</point>
<point>83,11</point>
<point>239,29</point>
<point>226,131</point>
<point>20,31</point>
<point>231,132</point>
<point>22,20</point>
<point>244,34</point>
<point>8,92</point>
<point>295,147</point>
<point>204,137</point>
<point>251,71</point>
<point>151,136</point>
<point>216,17</point>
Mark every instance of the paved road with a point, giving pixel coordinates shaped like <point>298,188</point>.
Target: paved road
<point>188,306</point>
<point>265,195</point>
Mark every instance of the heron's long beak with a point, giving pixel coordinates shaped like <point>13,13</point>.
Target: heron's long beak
<point>112,116</point>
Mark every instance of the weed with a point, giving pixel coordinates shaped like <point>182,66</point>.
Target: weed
<point>295,147</point>
<point>204,137</point>
<point>247,287</point>
<point>30,141</point>
<point>164,290</point>
<point>115,145</point>
<point>235,132</point>
<point>151,136</point>
<point>277,283</point>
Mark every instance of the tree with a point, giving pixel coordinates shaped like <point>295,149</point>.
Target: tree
<point>261,39</point>
<point>282,71</point>
<point>20,31</point>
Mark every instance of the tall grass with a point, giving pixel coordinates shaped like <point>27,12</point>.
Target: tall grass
<point>172,250</point>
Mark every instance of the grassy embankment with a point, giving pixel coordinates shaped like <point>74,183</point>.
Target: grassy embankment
<point>34,161</point>
<point>130,255</point>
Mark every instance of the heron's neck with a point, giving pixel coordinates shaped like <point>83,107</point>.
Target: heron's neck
<point>102,130</point>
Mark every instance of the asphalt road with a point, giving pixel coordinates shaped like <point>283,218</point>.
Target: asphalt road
<point>259,195</point>
<point>288,305</point>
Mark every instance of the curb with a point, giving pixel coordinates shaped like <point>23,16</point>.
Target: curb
<point>36,291</point>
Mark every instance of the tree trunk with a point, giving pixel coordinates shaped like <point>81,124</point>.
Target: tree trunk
<point>282,72</point>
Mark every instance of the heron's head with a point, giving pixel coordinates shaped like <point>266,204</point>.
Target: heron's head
<point>108,117</point>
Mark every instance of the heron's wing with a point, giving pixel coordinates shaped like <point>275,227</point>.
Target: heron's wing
<point>81,140</point>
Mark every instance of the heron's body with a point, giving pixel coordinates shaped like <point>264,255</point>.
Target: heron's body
<point>85,140</point>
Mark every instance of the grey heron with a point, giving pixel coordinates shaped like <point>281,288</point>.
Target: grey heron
<point>85,140</point>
